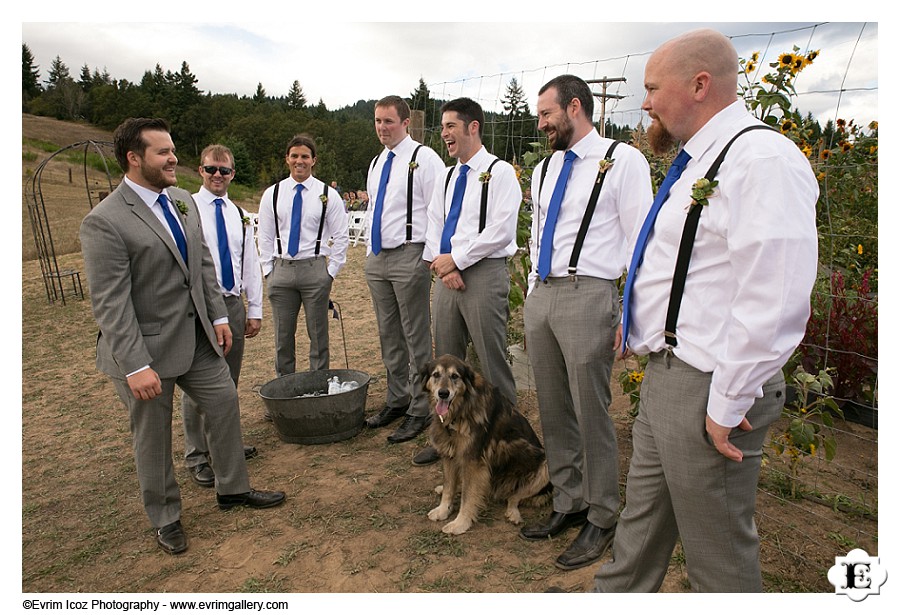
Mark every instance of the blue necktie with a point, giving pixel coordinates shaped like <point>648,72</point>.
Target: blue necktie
<point>177,233</point>
<point>545,258</point>
<point>224,250</point>
<point>459,191</point>
<point>637,257</point>
<point>379,204</point>
<point>296,210</point>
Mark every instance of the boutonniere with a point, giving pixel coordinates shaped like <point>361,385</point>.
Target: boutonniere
<point>484,177</point>
<point>182,207</point>
<point>245,220</point>
<point>701,191</point>
<point>605,165</point>
<point>323,198</point>
<point>413,165</point>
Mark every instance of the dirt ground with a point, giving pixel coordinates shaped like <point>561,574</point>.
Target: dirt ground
<point>355,519</point>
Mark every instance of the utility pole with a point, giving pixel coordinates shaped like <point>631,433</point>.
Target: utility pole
<point>603,96</point>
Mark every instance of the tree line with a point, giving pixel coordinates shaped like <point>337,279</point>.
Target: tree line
<point>257,127</point>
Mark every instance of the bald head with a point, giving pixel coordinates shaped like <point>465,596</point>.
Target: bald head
<point>688,80</point>
<point>701,51</point>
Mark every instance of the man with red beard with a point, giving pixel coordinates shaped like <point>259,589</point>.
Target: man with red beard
<point>588,196</point>
<point>718,330</point>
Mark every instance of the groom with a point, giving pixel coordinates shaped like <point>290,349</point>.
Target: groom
<point>163,323</point>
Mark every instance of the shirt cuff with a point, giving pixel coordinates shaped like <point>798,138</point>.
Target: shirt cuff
<point>220,321</point>
<point>727,411</point>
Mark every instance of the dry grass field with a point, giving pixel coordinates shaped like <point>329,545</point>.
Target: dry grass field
<point>355,519</point>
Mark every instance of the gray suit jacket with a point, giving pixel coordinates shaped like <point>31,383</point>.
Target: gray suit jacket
<point>144,299</point>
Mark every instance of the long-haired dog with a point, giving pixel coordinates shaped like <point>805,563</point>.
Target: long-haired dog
<point>487,447</point>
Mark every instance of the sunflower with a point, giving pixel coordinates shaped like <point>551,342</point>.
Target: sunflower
<point>812,55</point>
<point>798,64</point>
<point>749,68</point>
<point>787,125</point>
<point>754,57</point>
<point>846,146</point>
<point>786,60</point>
<point>807,150</point>
<point>826,153</point>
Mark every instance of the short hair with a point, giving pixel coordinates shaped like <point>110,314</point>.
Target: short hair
<point>300,140</point>
<point>217,152</point>
<point>129,137</point>
<point>570,87</point>
<point>397,103</point>
<point>468,111</point>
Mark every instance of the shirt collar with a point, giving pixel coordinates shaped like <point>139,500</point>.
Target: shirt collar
<point>146,194</point>
<point>584,145</point>
<point>479,162</point>
<point>401,147</point>
<point>710,133</point>
<point>207,197</point>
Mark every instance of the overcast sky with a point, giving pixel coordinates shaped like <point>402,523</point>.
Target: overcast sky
<point>342,62</point>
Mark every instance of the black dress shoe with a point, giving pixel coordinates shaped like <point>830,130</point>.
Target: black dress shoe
<point>251,499</point>
<point>556,524</point>
<point>203,475</point>
<point>387,416</point>
<point>411,427</point>
<point>171,538</point>
<point>426,457</point>
<point>590,545</point>
<point>250,452</point>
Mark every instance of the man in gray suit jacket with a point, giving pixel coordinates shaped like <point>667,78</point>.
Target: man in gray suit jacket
<point>162,323</point>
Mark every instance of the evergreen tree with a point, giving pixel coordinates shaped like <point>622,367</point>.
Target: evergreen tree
<point>59,73</point>
<point>31,77</point>
<point>86,81</point>
<point>260,96</point>
<point>295,97</point>
<point>519,127</point>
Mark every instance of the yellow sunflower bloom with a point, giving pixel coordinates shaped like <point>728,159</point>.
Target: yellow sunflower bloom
<point>787,126</point>
<point>812,55</point>
<point>826,153</point>
<point>786,60</point>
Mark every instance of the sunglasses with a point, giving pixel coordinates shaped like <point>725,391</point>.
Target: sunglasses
<point>225,171</point>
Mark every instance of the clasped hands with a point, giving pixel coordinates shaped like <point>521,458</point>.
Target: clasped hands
<point>445,268</point>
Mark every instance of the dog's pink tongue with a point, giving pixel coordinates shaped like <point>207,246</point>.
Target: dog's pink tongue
<point>442,407</point>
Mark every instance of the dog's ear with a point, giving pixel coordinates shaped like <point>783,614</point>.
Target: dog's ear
<point>468,374</point>
<point>425,373</point>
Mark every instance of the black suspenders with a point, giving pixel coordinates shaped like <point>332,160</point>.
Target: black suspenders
<point>482,215</point>
<point>688,236</point>
<point>324,200</point>
<point>588,211</point>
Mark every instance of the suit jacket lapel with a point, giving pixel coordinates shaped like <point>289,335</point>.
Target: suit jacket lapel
<point>142,211</point>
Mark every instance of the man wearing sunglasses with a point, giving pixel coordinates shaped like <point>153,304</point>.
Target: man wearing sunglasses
<point>229,236</point>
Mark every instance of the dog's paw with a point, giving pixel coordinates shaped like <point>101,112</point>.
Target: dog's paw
<point>457,526</point>
<point>439,489</point>
<point>439,514</point>
<point>514,516</point>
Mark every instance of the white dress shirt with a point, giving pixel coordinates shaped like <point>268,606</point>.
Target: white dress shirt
<point>746,299</point>
<point>241,245</point>
<point>625,195</point>
<point>336,225</point>
<point>468,246</point>
<point>429,172</point>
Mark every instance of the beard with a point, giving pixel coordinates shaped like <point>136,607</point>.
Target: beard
<point>155,176</point>
<point>659,138</point>
<point>563,138</point>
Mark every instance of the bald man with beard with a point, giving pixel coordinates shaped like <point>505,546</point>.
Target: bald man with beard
<point>713,384</point>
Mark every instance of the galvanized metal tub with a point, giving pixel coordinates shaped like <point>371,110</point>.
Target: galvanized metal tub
<point>301,418</point>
